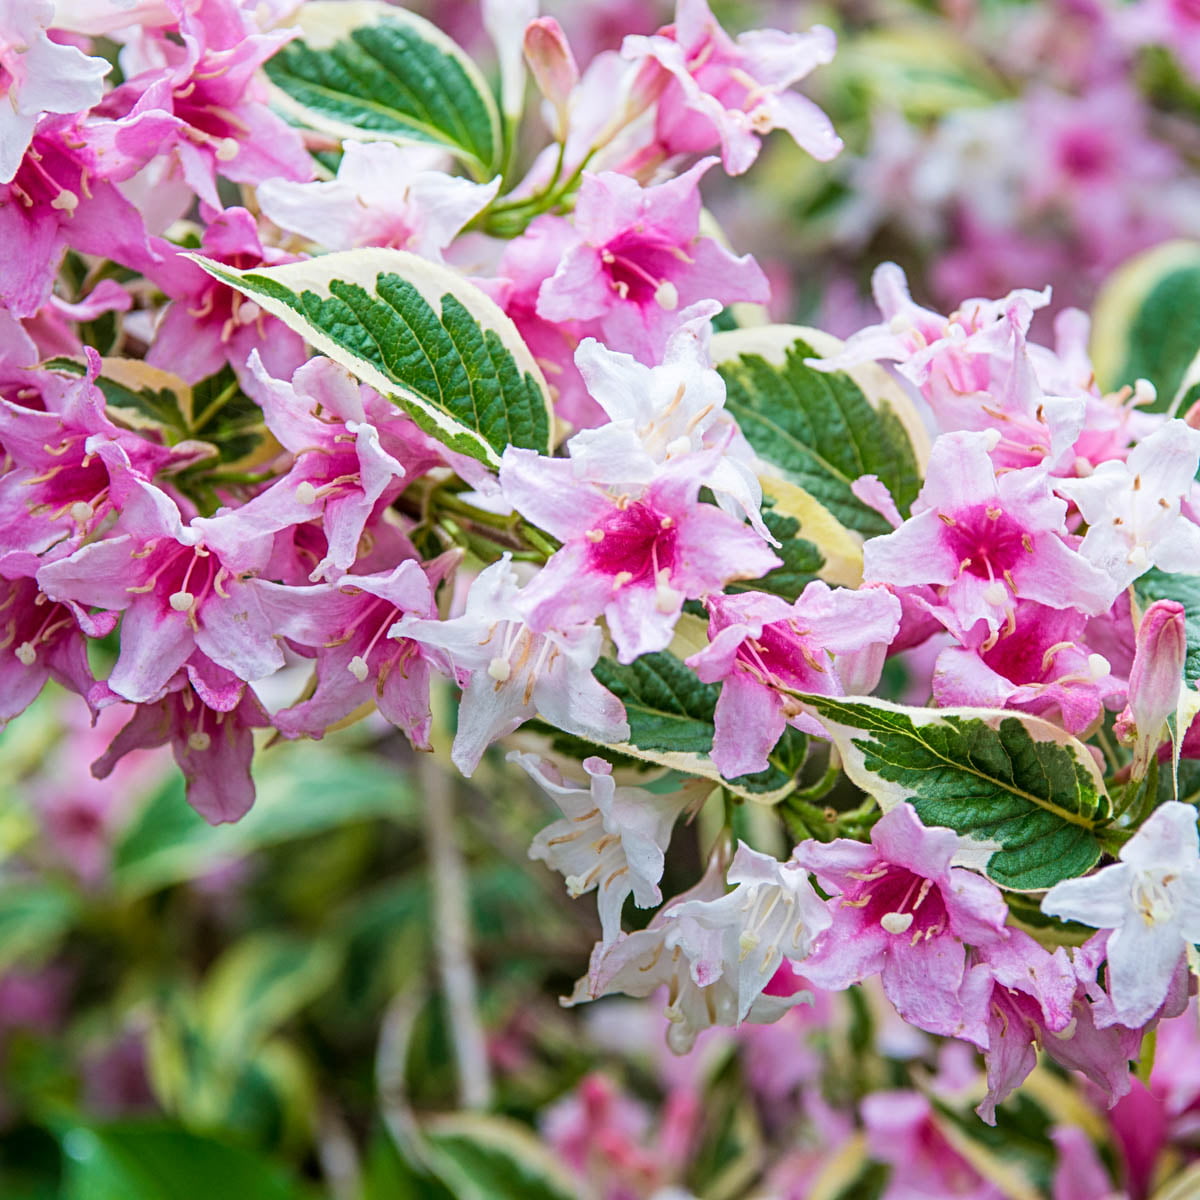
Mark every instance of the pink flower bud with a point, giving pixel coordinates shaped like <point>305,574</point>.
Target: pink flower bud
<point>552,65</point>
<point>1157,677</point>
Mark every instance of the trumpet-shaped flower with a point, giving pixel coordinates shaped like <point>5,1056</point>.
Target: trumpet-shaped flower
<point>902,911</point>
<point>639,258</point>
<point>613,838</point>
<point>634,555</point>
<point>638,964</point>
<point>511,673</point>
<point>38,75</point>
<point>731,92</point>
<point>1133,508</point>
<point>760,645</point>
<point>987,540</point>
<point>663,412</point>
<point>350,625</point>
<point>182,588</point>
<point>1151,902</point>
<point>383,195</point>
<point>771,914</point>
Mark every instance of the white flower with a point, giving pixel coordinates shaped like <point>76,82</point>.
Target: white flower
<point>657,414</point>
<point>638,964</point>
<point>1133,508</point>
<point>771,912</point>
<point>511,673</point>
<point>613,838</point>
<point>383,195</point>
<point>1151,901</point>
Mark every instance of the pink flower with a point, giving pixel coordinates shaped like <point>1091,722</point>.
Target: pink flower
<point>39,639</point>
<point>731,92</point>
<point>38,75</point>
<point>64,193</point>
<point>341,473</point>
<point>1155,681</point>
<point>527,262</point>
<point>62,456</point>
<point>901,910</point>
<point>358,660</point>
<point>1024,993</point>
<point>634,556</point>
<point>902,1131</point>
<point>207,715</point>
<point>182,588</point>
<point>985,541</point>
<point>1041,665</point>
<point>204,76</point>
<point>760,644</point>
<point>209,323</point>
<point>639,258</point>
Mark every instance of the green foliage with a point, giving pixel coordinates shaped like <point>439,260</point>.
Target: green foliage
<point>395,77</point>
<point>1041,803</point>
<point>154,1161</point>
<point>309,790</point>
<point>820,430</point>
<point>33,917</point>
<point>459,370</point>
<point>1158,585</point>
<point>1164,334</point>
<point>492,1158</point>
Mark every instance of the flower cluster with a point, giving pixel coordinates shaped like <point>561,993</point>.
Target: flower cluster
<point>305,417</point>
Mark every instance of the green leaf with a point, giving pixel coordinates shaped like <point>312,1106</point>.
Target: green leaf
<point>33,917</point>
<point>144,1161</point>
<point>367,70</point>
<point>417,332</point>
<point>667,707</point>
<point>1158,585</point>
<point>307,789</point>
<point>1147,321</point>
<point>259,984</point>
<point>670,714</point>
<point>1028,792</point>
<point>820,430</point>
<point>493,1158</point>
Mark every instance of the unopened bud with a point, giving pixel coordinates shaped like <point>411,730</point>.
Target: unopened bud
<point>1156,678</point>
<point>553,67</point>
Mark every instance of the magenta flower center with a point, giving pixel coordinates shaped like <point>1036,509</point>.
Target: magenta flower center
<point>987,542</point>
<point>29,622</point>
<point>899,901</point>
<point>639,266</point>
<point>633,544</point>
<point>782,655</point>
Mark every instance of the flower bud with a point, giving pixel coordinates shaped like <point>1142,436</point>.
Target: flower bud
<point>553,67</point>
<point>1156,678</point>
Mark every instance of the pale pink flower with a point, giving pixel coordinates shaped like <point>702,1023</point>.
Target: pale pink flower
<point>732,92</point>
